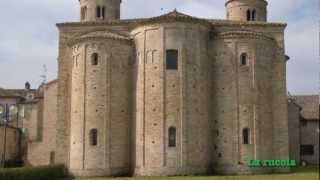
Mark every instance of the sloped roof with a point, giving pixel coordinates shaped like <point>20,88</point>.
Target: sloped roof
<point>309,106</point>
<point>172,16</point>
<point>9,93</point>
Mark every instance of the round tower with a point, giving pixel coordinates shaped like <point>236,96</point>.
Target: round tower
<point>99,10</point>
<point>247,10</point>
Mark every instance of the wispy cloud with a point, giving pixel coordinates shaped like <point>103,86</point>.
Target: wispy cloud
<point>29,39</point>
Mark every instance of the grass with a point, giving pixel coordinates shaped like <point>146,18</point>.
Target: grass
<point>298,173</point>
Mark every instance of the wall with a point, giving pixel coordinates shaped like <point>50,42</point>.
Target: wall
<point>12,143</point>
<point>310,136</point>
<point>241,98</point>
<point>166,98</point>
<point>100,100</point>
<point>41,151</point>
<point>294,131</point>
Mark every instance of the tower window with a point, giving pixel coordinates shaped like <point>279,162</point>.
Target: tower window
<point>253,15</point>
<point>93,137</point>
<point>243,59</point>
<point>248,15</point>
<point>246,135</point>
<point>172,137</point>
<point>98,11</point>
<point>172,59</point>
<point>94,59</point>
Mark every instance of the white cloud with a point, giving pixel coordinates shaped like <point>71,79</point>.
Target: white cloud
<point>28,36</point>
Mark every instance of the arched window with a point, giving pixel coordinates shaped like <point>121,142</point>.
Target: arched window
<point>248,15</point>
<point>103,12</point>
<point>246,136</point>
<point>172,59</point>
<point>253,15</point>
<point>172,137</point>
<point>93,137</point>
<point>94,59</point>
<point>243,59</point>
<point>98,11</point>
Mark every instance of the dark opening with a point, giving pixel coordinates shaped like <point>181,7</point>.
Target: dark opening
<point>52,157</point>
<point>93,137</point>
<point>253,16</point>
<point>98,11</point>
<point>103,12</point>
<point>172,137</point>
<point>94,59</point>
<point>248,15</point>
<point>243,59</point>
<point>172,59</point>
<point>306,150</point>
<point>246,135</point>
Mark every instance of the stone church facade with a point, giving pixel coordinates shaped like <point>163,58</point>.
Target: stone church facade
<point>170,95</point>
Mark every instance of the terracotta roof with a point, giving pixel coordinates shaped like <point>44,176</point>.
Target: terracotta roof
<point>309,106</point>
<point>9,93</point>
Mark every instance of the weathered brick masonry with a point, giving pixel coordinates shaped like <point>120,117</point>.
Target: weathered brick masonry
<point>114,86</point>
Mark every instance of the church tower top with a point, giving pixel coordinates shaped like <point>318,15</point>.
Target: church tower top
<point>247,10</point>
<point>99,10</point>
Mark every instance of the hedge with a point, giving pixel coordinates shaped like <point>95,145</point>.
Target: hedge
<point>34,173</point>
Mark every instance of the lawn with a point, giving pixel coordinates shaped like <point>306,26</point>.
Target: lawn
<point>299,173</point>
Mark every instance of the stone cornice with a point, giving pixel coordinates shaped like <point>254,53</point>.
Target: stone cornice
<point>173,16</point>
<point>242,35</point>
<point>98,35</point>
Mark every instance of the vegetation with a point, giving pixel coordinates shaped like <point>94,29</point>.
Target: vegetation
<point>298,173</point>
<point>59,172</point>
<point>34,173</point>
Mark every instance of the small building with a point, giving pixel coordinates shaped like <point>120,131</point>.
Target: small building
<point>15,98</point>
<point>303,115</point>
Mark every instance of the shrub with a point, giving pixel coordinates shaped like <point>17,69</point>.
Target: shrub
<point>34,173</point>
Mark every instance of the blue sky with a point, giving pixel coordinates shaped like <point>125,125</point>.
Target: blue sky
<point>29,38</point>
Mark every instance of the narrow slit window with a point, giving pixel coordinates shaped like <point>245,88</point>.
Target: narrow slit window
<point>94,59</point>
<point>98,11</point>
<point>93,137</point>
<point>83,13</point>
<point>172,137</point>
<point>103,9</point>
<point>246,135</point>
<point>253,16</point>
<point>52,157</point>
<point>172,59</point>
<point>244,59</point>
<point>248,15</point>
